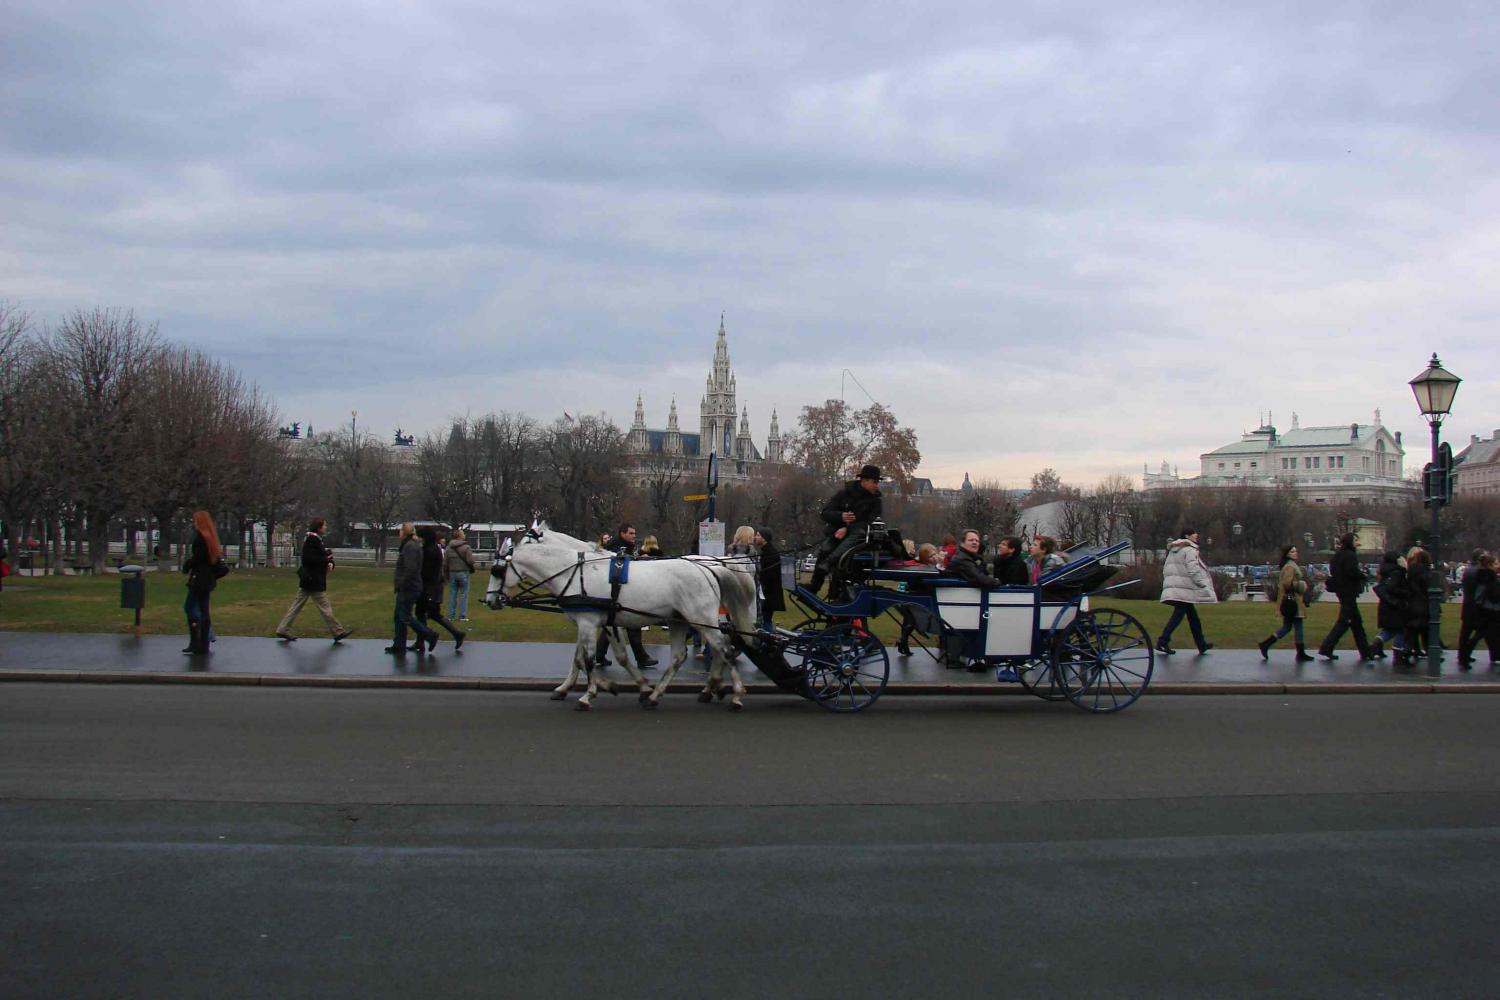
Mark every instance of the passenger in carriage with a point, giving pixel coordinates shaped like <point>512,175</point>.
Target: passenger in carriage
<point>967,563</point>
<point>1010,565</point>
<point>1044,557</point>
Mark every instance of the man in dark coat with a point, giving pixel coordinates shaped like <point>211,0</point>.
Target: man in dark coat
<point>771,598</point>
<point>622,543</point>
<point>1347,581</point>
<point>312,584</point>
<point>408,586</point>
<point>1469,629</point>
<point>431,604</point>
<point>967,564</point>
<point>846,514</point>
<point>1010,564</point>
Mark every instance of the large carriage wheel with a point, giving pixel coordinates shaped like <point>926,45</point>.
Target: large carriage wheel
<point>1102,661</point>
<point>1038,677</point>
<point>846,668</point>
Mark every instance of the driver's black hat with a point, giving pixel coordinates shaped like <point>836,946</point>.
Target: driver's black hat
<point>870,472</point>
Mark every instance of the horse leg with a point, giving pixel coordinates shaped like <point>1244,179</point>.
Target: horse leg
<point>583,653</point>
<point>679,653</point>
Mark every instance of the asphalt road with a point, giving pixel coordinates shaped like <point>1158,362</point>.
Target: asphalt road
<point>180,841</point>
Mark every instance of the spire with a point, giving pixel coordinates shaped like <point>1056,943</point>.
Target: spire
<point>775,428</point>
<point>745,421</point>
<point>640,414</point>
<point>672,416</point>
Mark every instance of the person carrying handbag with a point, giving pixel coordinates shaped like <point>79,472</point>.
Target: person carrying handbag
<point>1291,585</point>
<point>204,567</point>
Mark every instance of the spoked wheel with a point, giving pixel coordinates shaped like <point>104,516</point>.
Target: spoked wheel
<point>1039,678</point>
<point>1102,662</point>
<point>846,669</point>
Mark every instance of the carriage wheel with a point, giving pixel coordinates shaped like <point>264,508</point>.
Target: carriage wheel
<point>1102,662</point>
<point>846,668</point>
<point>1039,678</point>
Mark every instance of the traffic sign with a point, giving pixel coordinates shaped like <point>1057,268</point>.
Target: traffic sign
<point>696,496</point>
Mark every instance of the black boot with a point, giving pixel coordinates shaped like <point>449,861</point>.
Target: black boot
<point>192,646</point>
<point>1302,656</point>
<point>816,583</point>
<point>1265,646</point>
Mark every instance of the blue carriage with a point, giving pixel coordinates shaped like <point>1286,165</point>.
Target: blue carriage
<point>1048,638</point>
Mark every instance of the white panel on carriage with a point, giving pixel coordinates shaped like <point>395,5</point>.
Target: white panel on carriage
<point>959,607</point>
<point>1008,632</point>
<point>1026,597</point>
<point>1049,619</point>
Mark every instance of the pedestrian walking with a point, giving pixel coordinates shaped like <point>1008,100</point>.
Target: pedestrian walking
<point>1346,581</point>
<point>204,567</point>
<point>312,584</point>
<point>1469,629</point>
<point>1391,590</point>
<point>622,544</point>
<point>1418,611</point>
<point>431,604</point>
<point>1186,583</point>
<point>458,560</point>
<point>408,587</point>
<point>1291,588</point>
<point>772,599</point>
<point>1486,608</point>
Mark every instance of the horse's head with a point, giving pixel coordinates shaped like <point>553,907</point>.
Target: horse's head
<point>503,577</point>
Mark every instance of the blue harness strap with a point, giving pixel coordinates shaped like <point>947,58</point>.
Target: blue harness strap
<point>619,570</point>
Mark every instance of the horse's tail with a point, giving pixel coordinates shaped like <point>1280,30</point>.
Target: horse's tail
<point>737,583</point>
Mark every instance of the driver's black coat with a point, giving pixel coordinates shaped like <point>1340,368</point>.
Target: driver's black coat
<point>855,499</point>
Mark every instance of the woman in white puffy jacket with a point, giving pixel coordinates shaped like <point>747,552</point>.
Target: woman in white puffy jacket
<point>1185,583</point>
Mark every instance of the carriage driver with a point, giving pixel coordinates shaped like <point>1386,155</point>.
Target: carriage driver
<point>846,513</point>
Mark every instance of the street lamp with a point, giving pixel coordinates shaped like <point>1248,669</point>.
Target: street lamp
<point>1238,531</point>
<point>1435,388</point>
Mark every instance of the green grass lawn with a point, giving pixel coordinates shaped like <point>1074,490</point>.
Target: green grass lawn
<point>251,602</point>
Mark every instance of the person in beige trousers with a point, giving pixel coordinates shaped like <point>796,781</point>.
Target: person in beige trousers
<point>312,584</point>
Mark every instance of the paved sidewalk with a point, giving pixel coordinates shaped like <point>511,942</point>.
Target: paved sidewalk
<point>535,666</point>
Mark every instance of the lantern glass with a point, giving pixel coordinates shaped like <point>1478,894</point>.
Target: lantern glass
<point>1435,389</point>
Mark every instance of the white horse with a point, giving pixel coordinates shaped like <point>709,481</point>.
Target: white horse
<point>677,592</point>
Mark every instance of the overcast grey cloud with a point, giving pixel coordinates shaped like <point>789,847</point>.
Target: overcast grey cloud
<point>1086,236</point>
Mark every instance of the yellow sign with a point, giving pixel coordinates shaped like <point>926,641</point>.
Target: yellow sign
<point>696,496</point>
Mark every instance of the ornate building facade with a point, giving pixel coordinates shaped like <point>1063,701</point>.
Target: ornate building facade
<point>723,429</point>
<point>1329,465</point>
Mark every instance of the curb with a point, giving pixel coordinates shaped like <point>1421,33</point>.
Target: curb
<point>680,687</point>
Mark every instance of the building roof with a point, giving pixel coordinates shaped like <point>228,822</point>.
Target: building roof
<point>1479,452</point>
<point>1327,437</point>
<point>1255,447</point>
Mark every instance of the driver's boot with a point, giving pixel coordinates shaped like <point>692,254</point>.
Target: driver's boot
<point>819,575</point>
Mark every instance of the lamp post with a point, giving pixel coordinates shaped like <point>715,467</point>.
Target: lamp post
<point>1435,388</point>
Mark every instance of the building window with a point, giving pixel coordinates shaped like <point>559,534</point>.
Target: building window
<point>1236,465</point>
<point>1341,461</point>
<point>1221,466</point>
<point>1252,465</point>
<point>1367,463</point>
<point>1306,462</point>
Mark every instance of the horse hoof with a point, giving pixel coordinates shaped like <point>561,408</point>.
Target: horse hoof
<point>582,706</point>
<point>704,697</point>
<point>558,695</point>
<point>645,696</point>
<point>721,693</point>
<point>735,706</point>
<point>649,705</point>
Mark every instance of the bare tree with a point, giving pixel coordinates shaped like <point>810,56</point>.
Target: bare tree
<point>834,440</point>
<point>580,462</point>
<point>508,446</point>
<point>102,357</point>
<point>385,494</point>
<point>26,451</point>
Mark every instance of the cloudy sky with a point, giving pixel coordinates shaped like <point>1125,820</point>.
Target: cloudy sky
<point>1081,235</point>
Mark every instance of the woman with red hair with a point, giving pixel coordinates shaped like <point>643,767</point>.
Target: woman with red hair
<point>204,566</point>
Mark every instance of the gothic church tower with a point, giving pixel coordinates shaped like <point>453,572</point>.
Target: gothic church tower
<point>717,410</point>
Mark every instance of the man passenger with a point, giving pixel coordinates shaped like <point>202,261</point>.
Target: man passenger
<point>1010,565</point>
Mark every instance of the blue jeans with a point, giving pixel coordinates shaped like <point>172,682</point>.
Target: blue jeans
<point>406,601</point>
<point>1181,610</point>
<point>458,595</point>
<point>1289,625</point>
